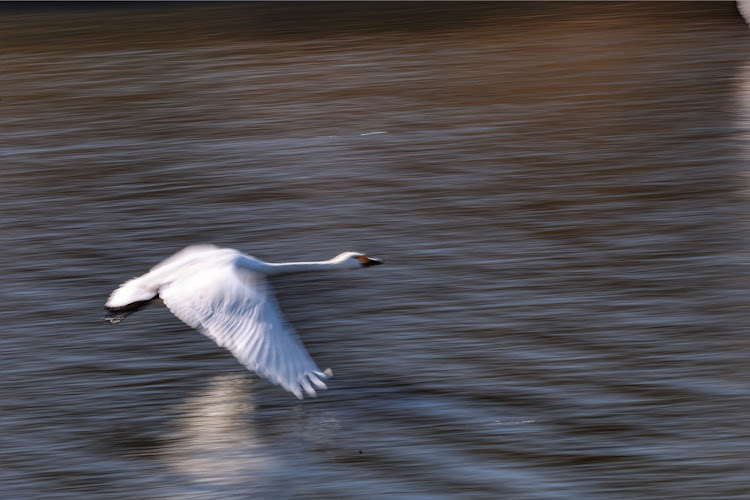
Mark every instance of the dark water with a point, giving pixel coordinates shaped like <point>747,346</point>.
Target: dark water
<point>560,192</point>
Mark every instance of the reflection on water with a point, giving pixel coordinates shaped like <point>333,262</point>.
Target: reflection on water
<point>213,442</point>
<point>560,192</point>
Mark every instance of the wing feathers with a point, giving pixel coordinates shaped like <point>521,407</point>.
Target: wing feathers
<point>236,308</point>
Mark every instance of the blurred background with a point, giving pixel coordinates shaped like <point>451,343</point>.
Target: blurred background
<point>559,190</point>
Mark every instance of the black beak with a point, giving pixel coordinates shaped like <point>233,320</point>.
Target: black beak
<point>371,262</point>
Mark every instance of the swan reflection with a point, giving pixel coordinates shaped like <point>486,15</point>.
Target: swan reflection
<point>213,441</point>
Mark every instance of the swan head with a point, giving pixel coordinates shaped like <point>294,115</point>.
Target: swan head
<point>355,260</point>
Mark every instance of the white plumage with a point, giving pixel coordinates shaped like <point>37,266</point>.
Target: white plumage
<point>224,294</point>
<point>744,7</point>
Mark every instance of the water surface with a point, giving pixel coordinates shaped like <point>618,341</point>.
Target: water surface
<point>560,193</point>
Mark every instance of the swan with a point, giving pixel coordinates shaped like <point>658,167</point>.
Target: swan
<point>223,293</point>
<point>744,7</point>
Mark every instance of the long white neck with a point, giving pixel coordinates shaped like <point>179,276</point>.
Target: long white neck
<point>342,261</point>
<point>273,269</point>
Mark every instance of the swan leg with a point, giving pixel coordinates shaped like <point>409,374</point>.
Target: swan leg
<point>116,314</point>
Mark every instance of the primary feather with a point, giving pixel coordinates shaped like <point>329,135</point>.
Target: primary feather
<point>224,294</point>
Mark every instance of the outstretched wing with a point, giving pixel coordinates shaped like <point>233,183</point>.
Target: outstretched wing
<point>142,289</point>
<point>236,308</point>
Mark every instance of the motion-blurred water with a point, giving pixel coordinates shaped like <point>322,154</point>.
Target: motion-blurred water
<point>560,192</point>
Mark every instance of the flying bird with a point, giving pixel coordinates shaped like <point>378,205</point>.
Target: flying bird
<point>223,293</point>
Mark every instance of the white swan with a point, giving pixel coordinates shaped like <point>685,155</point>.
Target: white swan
<point>224,294</point>
<point>744,7</point>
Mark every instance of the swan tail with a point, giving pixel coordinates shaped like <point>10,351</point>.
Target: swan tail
<point>128,298</point>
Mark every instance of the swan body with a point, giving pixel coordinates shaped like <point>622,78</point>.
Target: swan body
<point>224,294</point>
